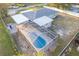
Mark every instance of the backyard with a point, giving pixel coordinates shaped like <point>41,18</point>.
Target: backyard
<point>66,26</point>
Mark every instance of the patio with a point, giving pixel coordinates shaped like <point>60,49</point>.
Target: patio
<point>26,29</point>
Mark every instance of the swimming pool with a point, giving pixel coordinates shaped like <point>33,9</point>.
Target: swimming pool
<point>39,42</point>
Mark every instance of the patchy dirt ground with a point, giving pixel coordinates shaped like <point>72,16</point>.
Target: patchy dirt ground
<point>66,26</point>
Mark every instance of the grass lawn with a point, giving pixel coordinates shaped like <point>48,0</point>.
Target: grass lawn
<point>60,46</point>
<point>74,52</point>
<point>9,20</point>
<point>5,42</point>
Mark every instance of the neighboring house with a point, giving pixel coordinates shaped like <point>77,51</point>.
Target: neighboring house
<point>12,11</point>
<point>36,32</point>
<point>75,8</point>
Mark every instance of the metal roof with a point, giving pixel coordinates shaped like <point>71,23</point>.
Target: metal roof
<point>19,18</point>
<point>43,20</point>
<point>30,15</point>
<point>41,12</point>
<point>45,12</point>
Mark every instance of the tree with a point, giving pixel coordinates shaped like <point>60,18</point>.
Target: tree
<point>64,6</point>
<point>40,54</point>
<point>3,10</point>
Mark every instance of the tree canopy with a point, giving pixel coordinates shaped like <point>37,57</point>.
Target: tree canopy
<point>3,10</point>
<point>60,5</point>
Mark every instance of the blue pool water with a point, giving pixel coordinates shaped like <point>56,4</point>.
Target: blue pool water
<point>39,42</point>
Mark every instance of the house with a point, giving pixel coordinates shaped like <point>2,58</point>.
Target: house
<point>75,8</point>
<point>36,35</point>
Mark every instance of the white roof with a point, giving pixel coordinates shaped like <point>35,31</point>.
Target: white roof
<point>19,18</point>
<point>43,20</point>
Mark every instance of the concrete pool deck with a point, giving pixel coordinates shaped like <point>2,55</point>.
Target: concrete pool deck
<point>26,28</point>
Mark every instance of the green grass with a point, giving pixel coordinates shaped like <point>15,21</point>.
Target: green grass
<point>31,8</point>
<point>20,5</point>
<point>9,20</point>
<point>60,46</point>
<point>74,52</point>
<point>18,12</point>
<point>6,46</point>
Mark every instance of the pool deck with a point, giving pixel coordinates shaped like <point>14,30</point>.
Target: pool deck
<point>25,29</point>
